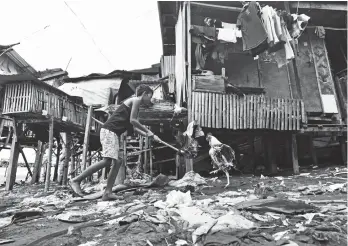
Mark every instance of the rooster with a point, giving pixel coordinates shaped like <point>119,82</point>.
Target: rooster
<point>222,155</point>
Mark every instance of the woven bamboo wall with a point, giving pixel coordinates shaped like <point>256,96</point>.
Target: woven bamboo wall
<point>216,110</point>
<point>26,97</point>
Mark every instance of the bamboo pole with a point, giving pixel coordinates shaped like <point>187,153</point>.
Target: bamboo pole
<point>12,168</point>
<point>67,152</point>
<point>37,163</point>
<point>49,161</point>
<point>86,139</point>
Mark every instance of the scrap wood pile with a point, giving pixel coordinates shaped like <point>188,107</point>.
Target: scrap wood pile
<point>306,209</point>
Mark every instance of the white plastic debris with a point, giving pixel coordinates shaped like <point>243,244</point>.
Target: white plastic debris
<point>202,230</point>
<point>175,198</point>
<point>309,217</point>
<point>304,174</point>
<point>334,187</point>
<point>232,221</point>
<point>194,216</point>
<point>191,178</point>
<point>91,243</point>
<point>281,235</point>
<point>181,242</point>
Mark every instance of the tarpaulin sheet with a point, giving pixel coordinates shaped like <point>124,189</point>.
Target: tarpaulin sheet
<point>93,92</point>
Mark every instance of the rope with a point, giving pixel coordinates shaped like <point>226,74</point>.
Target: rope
<point>298,4</point>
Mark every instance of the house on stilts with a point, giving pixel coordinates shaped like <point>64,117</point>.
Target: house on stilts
<point>265,102</point>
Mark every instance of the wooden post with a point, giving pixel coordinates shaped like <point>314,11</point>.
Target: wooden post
<point>72,162</point>
<point>312,151</point>
<point>343,144</point>
<point>67,151</point>
<point>86,140</point>
<point>271,154</point>
<point>146,170</point>
<point>89,164</point>
<point>12,168</point>
<point>49,161</point>
<point>59,147</point>
<point>150,157</point>
<point>189,164</point>
<point>37,164</point>
<point>189,77</point>
<point>294,154</point>
<point>251,151</point>
<point>25,160</point>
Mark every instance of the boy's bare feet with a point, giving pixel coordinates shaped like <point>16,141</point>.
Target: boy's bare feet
<point>111,197</point>
<point>75,186</point>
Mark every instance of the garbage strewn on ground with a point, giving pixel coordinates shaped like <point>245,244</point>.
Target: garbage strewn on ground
<point>264,211</point>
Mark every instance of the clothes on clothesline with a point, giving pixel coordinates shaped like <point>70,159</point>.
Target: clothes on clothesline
<point>229,33</point>
<point>202,34</point>
<point>253,32</point>
<point>320,31</point>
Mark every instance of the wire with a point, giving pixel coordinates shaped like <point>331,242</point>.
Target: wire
<point>89,35</point>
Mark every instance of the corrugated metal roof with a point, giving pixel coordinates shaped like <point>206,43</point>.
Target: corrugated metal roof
<point>16,58</point>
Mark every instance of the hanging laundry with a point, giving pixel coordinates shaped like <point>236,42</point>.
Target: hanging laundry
<point>200,58</point>
<point>229,33</point>
<point>289,53</point>
<point>233,27</point>
<point>267,13</point>
<point>213,22</point>
<point>301,22</point>
<point>253,31</point>
<point>202,34</point>
<point>320,31</point>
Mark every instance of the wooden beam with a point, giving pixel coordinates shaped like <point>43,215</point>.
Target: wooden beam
<point>325,129</point>
<point>320,6</point>
<point>86,139</point>
<point>343,145</point>
<point>67,152</point>
<point>37,164</point>
<point>49,161</point>
<point>312,151</point>
<point>189,60</point>
<point>25,160</point>
<point>270,145</point>
<point>59,147</point>
<point>215,6</point>
<point>12,168</point>
<point>294,154</point>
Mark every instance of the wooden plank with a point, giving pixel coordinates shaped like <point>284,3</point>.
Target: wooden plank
<point>213,122</point>
<point>219,118</point>
<point>238,112</point>
<point>49,161</point>
<point>199,96</point>
<point>267,113</point>
<point>193,106</point>
<point>206,111</point>
<point>279,114</point>
<point>86,137</point>
<point>318,5</point>
<point>248,111</point>
<point>230,111</point>
<point>286,117</point>
<point>294,114</point>
<point>67,147</point>
<point>196,102</point>
<point>241,113</point>
<point>251,112</point>
<point>244,112</point>
<point>202,107</point>
<point>290,114</point>
<point>14,154</point>
<point>282,114</point>
<point>210,109</point>
<point>189,68</point>
<point>258,112</point>
<point>255,113</point>
<point>303,113</point>
<point>224,111</point>
<point>37,163</point>
<point>298,114</point>
<point>294,155</point>
<point>234,112</point>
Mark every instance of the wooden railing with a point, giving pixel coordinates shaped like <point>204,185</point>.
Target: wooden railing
<point>229,111</point>
<point>36,100</point>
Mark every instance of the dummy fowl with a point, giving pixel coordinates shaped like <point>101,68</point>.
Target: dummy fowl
<point>222,156</point>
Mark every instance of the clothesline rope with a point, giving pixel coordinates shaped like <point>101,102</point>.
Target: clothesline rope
<point>330,28</point>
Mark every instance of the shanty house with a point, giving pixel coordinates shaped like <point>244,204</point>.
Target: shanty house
<point>273,103</point>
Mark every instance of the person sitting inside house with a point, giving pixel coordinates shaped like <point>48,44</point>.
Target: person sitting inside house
<point>122,119</point>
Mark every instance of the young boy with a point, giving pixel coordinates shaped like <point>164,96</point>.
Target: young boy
<point>123,118</point>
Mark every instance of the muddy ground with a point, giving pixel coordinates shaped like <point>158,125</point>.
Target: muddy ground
<point>322,220</point>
